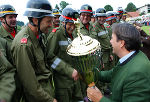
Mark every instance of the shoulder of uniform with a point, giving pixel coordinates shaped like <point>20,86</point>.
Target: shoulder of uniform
<point>24,39</point>
<point>55,29</point>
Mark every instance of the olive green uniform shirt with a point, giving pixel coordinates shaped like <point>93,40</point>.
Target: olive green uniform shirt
<point>67,90</point>
<point>34,74</point>
<point>84,30</point>
<point>9,38</point>
<point>6,35</point>
<point>104,39</point>
<point>7,72</point>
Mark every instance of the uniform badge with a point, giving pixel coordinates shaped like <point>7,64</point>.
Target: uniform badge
<point>54,30</point>
<point>108,26</point>
<point>24,40</point>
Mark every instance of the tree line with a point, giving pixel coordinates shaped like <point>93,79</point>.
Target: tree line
<point>130,7</point>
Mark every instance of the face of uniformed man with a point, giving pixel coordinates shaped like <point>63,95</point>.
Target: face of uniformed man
<point>56,20</point>
<point>45,24</point>
<point>109,22</point>
<point>10,19</point>
<point>93,19</point>
<point>85,18</point>
<point>70,26</point>
<point>101,19</point>
<point>124,17</point>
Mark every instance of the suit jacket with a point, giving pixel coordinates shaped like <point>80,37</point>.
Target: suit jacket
<point>130,81</point>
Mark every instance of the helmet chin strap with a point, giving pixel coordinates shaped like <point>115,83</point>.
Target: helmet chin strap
<point>66,30</point>
<point>39,31</point>
<point>40,35</point>
<point>31,21</point>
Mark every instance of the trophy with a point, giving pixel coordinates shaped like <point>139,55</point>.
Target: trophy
<point>86,52</point>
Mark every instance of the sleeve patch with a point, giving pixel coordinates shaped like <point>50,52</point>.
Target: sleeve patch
<point>54,30</point>
<point>24,41</point>
<point>108,26</point>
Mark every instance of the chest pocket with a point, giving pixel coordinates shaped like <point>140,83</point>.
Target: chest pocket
<point>103,34</point>
<point>63,45</point>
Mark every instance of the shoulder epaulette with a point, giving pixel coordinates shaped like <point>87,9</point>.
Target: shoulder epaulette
<point>24,39</point>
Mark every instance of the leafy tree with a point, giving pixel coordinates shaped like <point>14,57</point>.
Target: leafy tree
<point>63,4</point>
<point>57,7</point>
<point>20,23</point>
<point>18,27</point>
<point>108,8</point>
<point>130,7</point>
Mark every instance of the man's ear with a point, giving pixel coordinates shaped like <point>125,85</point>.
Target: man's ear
<point>122,43</point>
<point>35,21</point>
<point>2,19</point>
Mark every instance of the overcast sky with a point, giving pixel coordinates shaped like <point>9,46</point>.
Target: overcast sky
<point>20,5</point>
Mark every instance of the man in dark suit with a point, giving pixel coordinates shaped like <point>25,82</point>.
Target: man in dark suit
<point>130,79</point>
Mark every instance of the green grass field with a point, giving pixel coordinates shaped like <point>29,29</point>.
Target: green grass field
<point>146,29</point>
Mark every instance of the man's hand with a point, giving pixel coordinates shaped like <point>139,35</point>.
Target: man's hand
<point>111,58</point>
<point>54,100</point>
<point>75,75</point>
<point>94,94</point>
<point>138,28</point>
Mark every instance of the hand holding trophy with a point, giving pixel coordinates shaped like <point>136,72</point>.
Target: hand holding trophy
<point>87,55</point>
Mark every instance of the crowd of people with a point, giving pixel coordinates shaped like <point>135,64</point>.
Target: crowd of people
<point>35,67</point>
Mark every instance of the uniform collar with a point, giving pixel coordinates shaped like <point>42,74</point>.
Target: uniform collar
<point>82,26</point>
<point>32,36</point>
<point>5,34</point>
